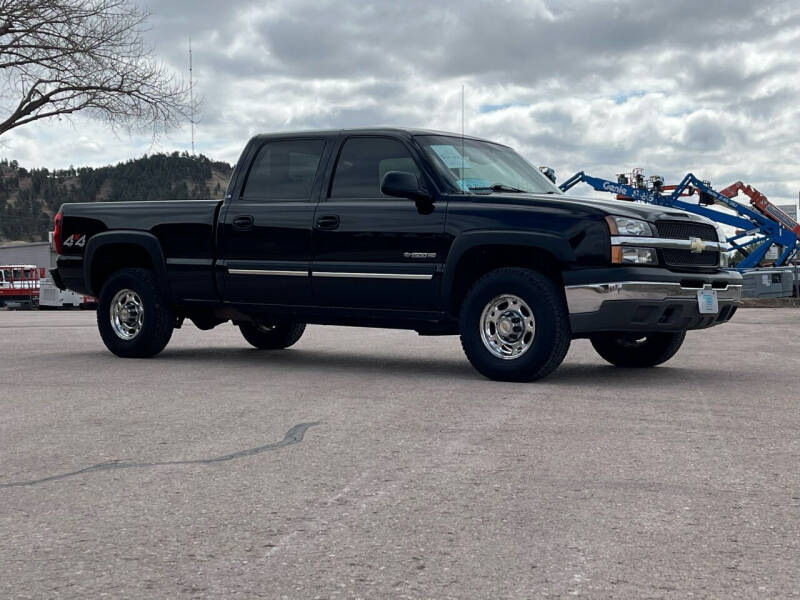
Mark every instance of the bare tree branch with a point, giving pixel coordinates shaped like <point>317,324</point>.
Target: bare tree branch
<point>58,57</point>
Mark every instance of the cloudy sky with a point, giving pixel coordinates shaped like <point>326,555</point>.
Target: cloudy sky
<point>710,86</point>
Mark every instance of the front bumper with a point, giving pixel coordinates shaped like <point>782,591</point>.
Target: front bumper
<point>651,305</point>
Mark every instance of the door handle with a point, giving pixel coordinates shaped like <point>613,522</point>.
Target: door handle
<point>328,222</point>
<point>242,222</point>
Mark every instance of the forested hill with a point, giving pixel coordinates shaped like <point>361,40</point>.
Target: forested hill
<point>30,198</point>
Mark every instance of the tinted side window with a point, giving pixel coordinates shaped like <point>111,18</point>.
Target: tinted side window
<point>362,164</point>
<point>284,170</point>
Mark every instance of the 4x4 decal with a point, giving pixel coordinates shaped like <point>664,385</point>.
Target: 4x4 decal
<point>77,240</point>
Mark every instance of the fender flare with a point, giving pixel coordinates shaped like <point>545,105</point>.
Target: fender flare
<point>553,243</point>
<point>144,239</point>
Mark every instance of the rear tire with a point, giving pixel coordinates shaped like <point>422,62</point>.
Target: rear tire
<point>637,350</point>
<point>133,316</point>
<point>515,325</point>
<point>272,337</point>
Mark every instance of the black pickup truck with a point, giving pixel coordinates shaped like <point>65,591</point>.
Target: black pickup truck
<point>409,229</point>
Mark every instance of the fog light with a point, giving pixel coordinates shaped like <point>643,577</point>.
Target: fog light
<point>634,256</point>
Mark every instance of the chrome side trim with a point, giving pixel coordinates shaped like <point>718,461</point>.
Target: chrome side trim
<point>670,244</point>
<point>590,297</point>
<point>357,275</point>
<point>418,276</point>
<point>189,261</point>
<point>267,272</point>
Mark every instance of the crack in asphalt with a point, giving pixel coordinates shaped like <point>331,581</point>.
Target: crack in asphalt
<point>293,436</point>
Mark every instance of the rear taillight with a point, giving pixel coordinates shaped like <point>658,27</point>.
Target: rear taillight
<point>57,233</point>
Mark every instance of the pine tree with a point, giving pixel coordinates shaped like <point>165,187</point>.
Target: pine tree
<point>26,214</point>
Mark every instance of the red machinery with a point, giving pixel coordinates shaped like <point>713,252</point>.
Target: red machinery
<point>19,285</point>
<point>764,206</point>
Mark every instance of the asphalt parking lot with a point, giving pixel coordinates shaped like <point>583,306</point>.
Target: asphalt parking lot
<point>378,464</point>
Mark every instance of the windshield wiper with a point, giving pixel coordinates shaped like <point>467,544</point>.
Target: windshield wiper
<point>500,187</point>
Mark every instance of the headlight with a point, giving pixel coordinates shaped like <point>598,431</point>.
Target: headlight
<point>628,226</point>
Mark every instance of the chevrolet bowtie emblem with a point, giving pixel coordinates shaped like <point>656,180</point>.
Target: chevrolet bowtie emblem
<point>697,245</point>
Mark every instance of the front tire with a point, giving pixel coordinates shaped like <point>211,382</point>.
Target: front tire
<point>133,316</point>
<point>515,325</point>
<point>637,350</point>
<point>275,336</point>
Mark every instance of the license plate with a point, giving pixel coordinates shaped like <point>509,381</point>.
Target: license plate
<point>707,301</point>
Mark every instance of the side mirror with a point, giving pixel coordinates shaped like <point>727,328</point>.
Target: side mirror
<point>401,184</point>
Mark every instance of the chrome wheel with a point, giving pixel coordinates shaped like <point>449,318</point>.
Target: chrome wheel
<point>507,327</point>
<point>127,314</point>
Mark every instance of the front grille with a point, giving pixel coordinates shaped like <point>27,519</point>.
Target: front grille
<point>684,230</point>
<point>684,258</point>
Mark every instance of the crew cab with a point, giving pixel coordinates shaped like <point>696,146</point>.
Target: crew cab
<point>433,232</point>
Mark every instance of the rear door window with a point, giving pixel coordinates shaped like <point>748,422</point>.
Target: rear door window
<point>284,170</point>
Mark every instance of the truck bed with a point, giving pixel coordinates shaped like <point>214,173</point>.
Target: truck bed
<point>183,228</point>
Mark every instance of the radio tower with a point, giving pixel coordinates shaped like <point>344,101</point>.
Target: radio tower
<point>191,93</point>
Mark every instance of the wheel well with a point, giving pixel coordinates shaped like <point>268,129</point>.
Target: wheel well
<point>113,257</point>
<point>478,261</point>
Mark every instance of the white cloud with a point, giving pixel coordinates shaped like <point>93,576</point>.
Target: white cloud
<point>601,86</point>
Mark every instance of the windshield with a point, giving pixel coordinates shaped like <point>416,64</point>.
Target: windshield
<point>482,167</point>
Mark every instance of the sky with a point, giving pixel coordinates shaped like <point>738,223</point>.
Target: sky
<point>710,87</point>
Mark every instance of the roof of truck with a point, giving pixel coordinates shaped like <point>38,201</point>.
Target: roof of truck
<point>369,130</point>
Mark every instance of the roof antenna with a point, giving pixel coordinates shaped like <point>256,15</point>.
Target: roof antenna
<point>191,93</point>
<point>462,134</point>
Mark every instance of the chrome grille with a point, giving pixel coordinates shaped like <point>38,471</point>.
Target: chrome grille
<point>684,230</point>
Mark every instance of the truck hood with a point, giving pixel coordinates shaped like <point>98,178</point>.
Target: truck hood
<point>621,208</point>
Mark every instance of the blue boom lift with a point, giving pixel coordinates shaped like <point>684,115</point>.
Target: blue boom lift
<point>762,231</point>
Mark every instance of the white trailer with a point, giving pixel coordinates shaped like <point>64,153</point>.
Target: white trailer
<point>52,297</point>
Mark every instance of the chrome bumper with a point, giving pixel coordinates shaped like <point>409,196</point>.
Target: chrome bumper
<point>590,297</point>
